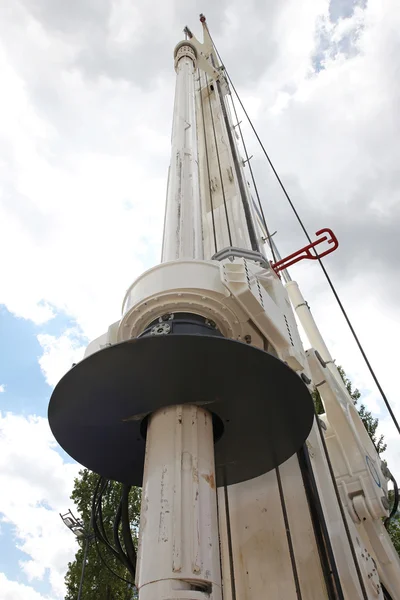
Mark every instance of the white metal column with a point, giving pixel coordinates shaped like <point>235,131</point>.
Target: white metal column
<point>179,544</point>
<point>183,227</point>
<point>311,330</point>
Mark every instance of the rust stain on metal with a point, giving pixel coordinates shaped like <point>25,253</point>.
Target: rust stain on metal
<point>210,479</point>
<point>164,505</point>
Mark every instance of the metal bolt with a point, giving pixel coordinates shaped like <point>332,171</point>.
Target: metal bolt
<point>167,317</point>
<point>247,339</point>
<point>211,323</point>
<point>161,329</point>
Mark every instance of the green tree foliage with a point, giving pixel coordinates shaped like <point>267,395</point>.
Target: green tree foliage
<point>319,407</point>
<point>99,582</point>
<point>370,423</point>
<point>393,527</point>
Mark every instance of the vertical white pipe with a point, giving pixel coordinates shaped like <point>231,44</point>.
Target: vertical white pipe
<point>179,543</point>
<point>307,321</point>
<point>310,327</point>
<point>182,226</point>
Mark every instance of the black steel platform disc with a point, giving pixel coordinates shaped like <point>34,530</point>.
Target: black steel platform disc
<point>97,408</point>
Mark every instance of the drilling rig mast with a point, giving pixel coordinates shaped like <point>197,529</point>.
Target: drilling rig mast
<point>201,394</point>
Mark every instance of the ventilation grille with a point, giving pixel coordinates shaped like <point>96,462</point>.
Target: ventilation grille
<point>260,293</point>
<point>288,329</point>
<point>247,274</point>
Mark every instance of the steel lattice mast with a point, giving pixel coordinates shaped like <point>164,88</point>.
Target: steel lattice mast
<point>200,394</point>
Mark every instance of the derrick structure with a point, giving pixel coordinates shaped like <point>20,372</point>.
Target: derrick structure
<point>201,394</point>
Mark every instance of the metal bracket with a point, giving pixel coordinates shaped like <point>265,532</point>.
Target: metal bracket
<point>231,252</point>
<point>203,52</point>
<point>284,263</point>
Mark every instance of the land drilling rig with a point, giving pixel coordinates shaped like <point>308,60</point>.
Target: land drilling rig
<point>202,395</point>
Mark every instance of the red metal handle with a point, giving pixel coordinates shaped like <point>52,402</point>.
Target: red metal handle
<point>331,239</point>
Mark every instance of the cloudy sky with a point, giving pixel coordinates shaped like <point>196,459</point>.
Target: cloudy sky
<point>85,116</point>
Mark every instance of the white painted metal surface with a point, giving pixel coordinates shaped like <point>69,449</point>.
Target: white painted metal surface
<point>261,559</point>
<point>183,227</point>
<point>220,194</point>
<point>310,328</point>
<point>260,293</point>
<point>360,474</point>
<point>179,546</point>
<point>240,296</point>
<point>387,560</point>
<point>336,528</point>
<point>184,286</point>
<point>355,461</point>
<point>307,321</point>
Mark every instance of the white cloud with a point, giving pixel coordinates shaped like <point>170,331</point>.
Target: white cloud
<point>80,201</point>
<point>36,484</point>
<point>2,388</point>
<point>59,353</point>
<point>13,590</point>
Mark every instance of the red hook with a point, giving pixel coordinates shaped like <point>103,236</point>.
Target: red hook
<point>331,239</point>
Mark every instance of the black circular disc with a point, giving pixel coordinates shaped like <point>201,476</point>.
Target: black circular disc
<point>96,410</point>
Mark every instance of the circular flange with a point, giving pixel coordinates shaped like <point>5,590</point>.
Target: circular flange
<point>96,410</point>
<point>182,44</point>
